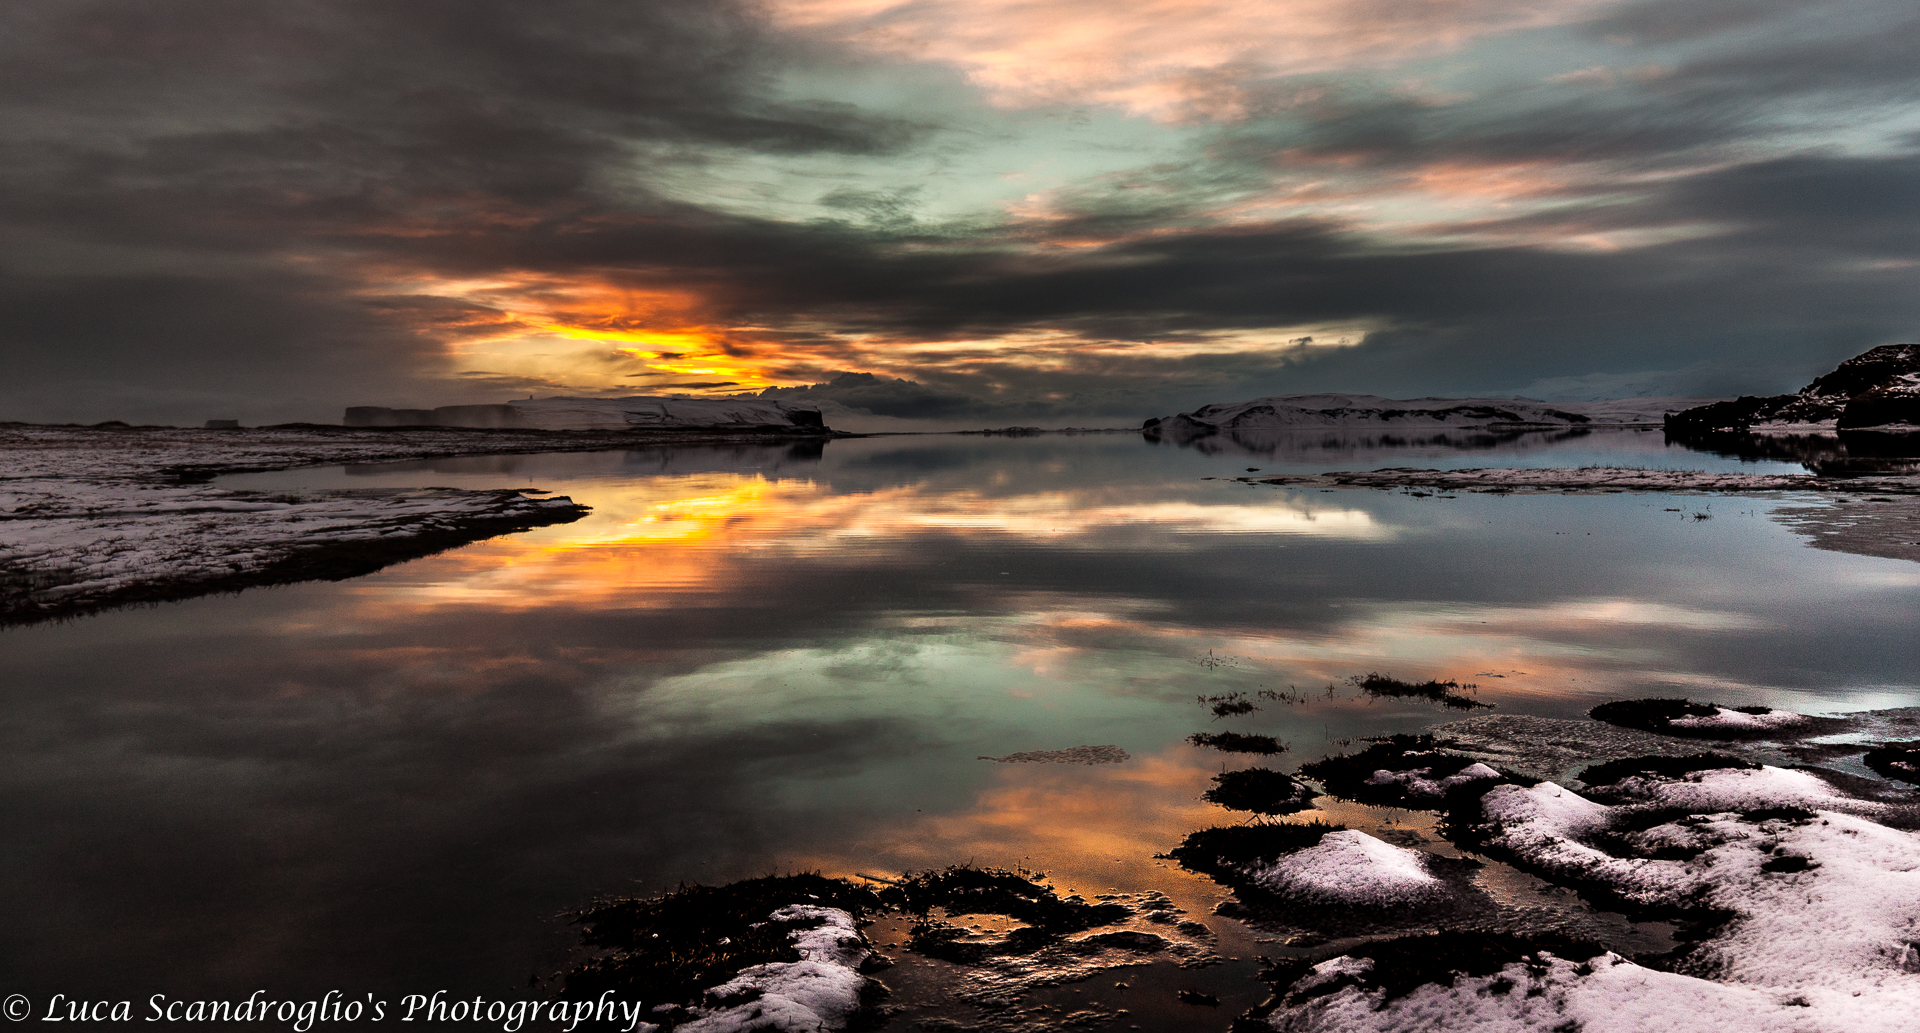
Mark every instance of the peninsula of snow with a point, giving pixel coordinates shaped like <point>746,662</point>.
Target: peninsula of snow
<point>97,517</point>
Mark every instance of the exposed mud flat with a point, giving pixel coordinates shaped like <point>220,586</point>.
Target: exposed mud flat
<point>98,517</point>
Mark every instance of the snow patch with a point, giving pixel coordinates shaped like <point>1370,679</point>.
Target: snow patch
<point>1349,867</point>
<point>1737,721</point>
<point>819,992</point>
<point>1607,994</point>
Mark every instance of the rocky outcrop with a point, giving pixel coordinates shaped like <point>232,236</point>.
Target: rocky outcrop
<point>723,414</point>
<point>1879,388</point>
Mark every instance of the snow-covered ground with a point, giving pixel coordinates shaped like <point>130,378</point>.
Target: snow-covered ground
<point>819,992</point>
<point>1350,867</point>
<point>1818,915</point>
<point>97,517</point>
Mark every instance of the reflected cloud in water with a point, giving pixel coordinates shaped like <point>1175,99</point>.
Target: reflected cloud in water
<point>748,661</point>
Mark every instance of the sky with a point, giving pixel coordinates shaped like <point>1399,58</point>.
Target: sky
<point>983,211</point>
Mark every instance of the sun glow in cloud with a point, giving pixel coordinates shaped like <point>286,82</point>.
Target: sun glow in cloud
<point>590,336</point>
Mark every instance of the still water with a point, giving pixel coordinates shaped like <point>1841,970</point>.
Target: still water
<point>757,660</point>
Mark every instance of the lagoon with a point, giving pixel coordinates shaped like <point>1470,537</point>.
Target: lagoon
<point>770,659</point>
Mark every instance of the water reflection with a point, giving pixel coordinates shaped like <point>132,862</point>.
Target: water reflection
<point>746,662</point>
<point>1851,453</point>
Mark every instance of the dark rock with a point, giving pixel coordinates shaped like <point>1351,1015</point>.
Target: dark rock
<point>1878,377</point>
<point>1351,777</point>
<point>1881,407</point>
<point>1899,760</point>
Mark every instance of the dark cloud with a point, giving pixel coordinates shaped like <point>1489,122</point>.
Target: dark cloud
<point>195,194</point>
<point>211,204</point>
<point>880,396</point>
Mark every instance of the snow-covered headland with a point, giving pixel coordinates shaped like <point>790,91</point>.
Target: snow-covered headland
<point>96,517</point>
<point>1371,412</point>
<point>639,412</point>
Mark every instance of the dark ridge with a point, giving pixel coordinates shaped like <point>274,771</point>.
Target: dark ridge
<point>1234,742</point>
<point>1445,693</point>
<point>1666,767</point>
<point>1897,760</point>
<point>1260,790</point>
<point>1211,851</point>
<point>672,948</point>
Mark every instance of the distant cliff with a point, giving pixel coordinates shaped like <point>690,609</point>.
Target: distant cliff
<point>1371,412</point>
<point>1875,390</point>
<point>728,414</point>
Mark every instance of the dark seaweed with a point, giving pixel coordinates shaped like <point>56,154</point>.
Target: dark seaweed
<point>1658,715</point>
<point>1405,963</point>
<point>1260,790</point>
<point>1234,742</point>
<point>1347,776</point>
<point>1898,760</point>
<point>669,949</point>
<point>1209,851</point>
<point>994,891</point>
<point>1445,693</point>
<point>1229,704</point>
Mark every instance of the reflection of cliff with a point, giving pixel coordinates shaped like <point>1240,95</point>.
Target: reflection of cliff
<point>1318,445</point>
<point>1835,454</point>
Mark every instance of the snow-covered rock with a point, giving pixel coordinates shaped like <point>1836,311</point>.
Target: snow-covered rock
<point>1349,867</point>
<point>1823,933</point>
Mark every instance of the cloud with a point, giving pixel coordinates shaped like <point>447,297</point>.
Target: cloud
<point>276,210</point>
<point>1171,59</point>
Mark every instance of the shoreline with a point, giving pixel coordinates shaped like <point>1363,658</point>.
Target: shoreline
<point>96,518</point>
